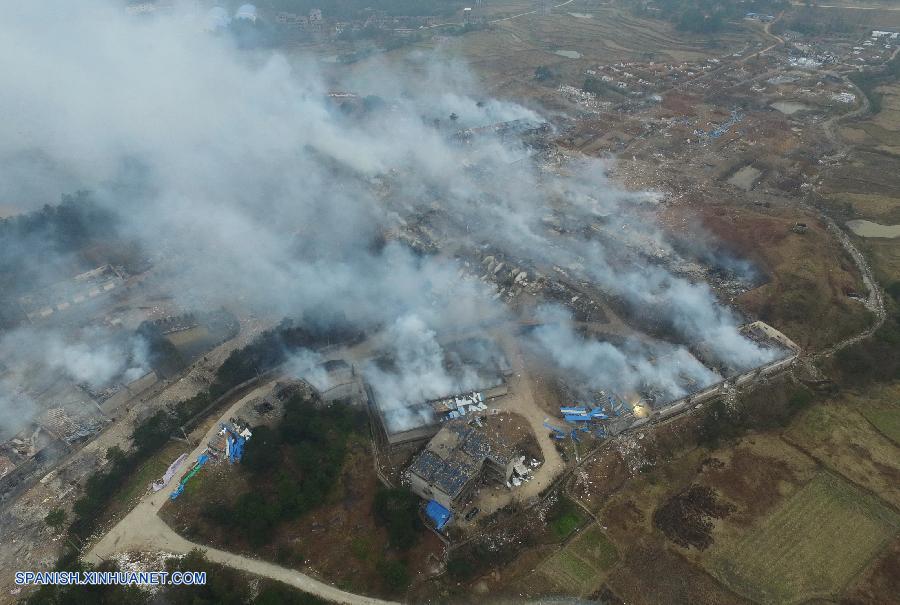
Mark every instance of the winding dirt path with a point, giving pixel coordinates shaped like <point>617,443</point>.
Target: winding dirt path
<point>142,530</point>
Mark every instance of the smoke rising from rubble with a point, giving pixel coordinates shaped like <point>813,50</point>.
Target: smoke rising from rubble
<point>250,184</point>
<point>633,367</point>
<point>95,358</point>
<point>37,358</point>
<point>417,373</point>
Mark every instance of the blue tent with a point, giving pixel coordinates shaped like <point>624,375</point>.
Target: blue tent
<point>437,513</point>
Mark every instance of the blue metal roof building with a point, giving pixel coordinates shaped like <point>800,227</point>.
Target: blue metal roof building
<point>438,514</point>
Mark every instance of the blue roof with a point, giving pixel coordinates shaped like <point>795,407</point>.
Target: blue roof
<point>437,513</point>
<point>576,418</point>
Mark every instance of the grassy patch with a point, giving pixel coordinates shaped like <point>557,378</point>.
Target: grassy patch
<point>594,547</point>
<point>810,547</point>
<point>582,565</point>
<point>886,420</point>
<point>564,518</point>
<point>154,468</point>
<point>567,570</point>
<point>840,437</point>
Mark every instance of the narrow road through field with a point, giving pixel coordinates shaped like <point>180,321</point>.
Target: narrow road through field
<point>852,8</point>
<point>510,18</point>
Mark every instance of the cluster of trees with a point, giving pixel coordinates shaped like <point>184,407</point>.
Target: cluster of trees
<point>292,467</point>
<point>869,80</point>
<point>267,351</point>
<point>51,244</point>
<point>397,510</point>
<point>101,487</point>
<point>273,347</point>
<point>765,408</point>
<point>542,73</point>
<point>223,587</point>
<point>599,87</point>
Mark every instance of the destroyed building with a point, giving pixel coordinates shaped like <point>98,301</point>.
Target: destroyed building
<point>464,452</point>
<point>474,372</point>
<point>432,415</point>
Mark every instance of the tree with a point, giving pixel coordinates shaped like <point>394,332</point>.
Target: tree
<point>56,518</point>
<point>261,453</point>
<point>397,509</point>
<point>542,73</point>
<point>394,574</point>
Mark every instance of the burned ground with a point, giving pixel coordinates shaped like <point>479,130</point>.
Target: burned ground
<point>685,518</point>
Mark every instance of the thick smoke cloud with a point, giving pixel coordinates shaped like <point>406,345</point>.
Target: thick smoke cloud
<point>417,372</point>
<point>248,183</point>
<point>629,369</point>
<point>33,359</point>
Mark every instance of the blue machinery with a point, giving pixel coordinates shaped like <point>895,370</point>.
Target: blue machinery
<point>200,462</point>
<point>584,418</point>
<point>234,443</point>
<point>234,450</point>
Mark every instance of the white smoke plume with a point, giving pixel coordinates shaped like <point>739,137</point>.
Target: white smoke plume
<point>247,182</point>
<point>418,372</point>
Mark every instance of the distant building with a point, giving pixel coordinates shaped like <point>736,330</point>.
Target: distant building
<point>246,12</point>
<point>216,19</point>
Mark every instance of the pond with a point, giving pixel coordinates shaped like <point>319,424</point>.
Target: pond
<point>870,229</point>
<point>745,178</point>
<point>789,107</point>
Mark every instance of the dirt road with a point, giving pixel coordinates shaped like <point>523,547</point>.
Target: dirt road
<point>143,530</point>
<point>521,401</point>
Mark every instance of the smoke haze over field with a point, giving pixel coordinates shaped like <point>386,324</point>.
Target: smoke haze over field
<point>240,171</point>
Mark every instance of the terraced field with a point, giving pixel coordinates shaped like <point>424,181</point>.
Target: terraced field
<point>810,547</point>
<point>581,566</point>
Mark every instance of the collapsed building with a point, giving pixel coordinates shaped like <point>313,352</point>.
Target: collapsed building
<point>431,414</point>
<point>463,454</point>
<point>477,372</point>
<point>63,295</point>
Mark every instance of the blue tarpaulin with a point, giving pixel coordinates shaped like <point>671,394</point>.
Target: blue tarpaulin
<point>437,513</point>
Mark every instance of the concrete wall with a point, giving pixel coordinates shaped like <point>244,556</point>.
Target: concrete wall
<point>717,389</point>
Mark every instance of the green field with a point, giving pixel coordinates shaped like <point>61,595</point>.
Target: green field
<point>582,565</point>
<point>564,518</point>
<point>810,547</point>
<point>886,420</point>
<point>593,547</point>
